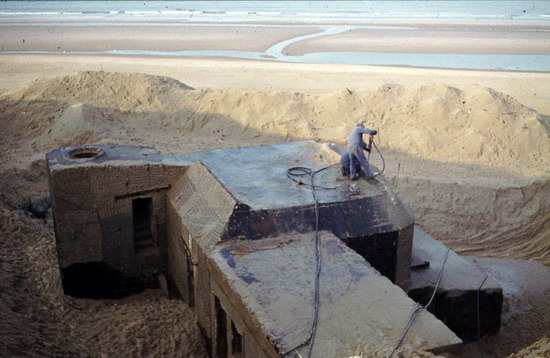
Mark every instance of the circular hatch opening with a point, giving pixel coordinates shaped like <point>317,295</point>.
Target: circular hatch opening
<point>85,153</point>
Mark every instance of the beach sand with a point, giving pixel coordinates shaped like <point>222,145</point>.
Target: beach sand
<point>146,38</point>
<point>435,38</point>
<point>529,88</point>
<point>467,150</point>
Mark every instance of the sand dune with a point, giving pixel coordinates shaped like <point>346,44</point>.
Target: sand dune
<point>441,123</point>
<point>540,348</point>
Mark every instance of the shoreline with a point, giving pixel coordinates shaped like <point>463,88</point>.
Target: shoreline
<point>404,22</point>
<point>430,40</point>
<point>418,47</point>
<point>371,37</point>
<point>165,38</point>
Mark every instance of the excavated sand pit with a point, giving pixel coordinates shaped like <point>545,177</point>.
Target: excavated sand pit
<point>472,166</point>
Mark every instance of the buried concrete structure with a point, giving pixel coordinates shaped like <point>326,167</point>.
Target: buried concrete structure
<point>235,239</point>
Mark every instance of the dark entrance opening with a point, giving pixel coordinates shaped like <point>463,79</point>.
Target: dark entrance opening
<point>141,210</point>
<point>236,342</point>
<point>379,250</point>
<point>459,311</point>
<point>221,330</point>
<point>99,280</point>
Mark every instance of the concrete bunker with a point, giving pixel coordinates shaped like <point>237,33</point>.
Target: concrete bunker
<point>239,251</point>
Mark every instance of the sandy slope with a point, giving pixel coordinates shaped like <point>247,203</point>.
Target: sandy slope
<point>540,348</point>
<point>476,126</point>
<point>472,164</point>
<point>530,88</point>
<point>39,321</point>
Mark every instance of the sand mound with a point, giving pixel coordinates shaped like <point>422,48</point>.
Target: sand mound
<point>125,92</point>
<point>474,125</point>
<point>436,122</point>
<point>479,220</point>
<point>540,348</point>
<point>39,321</point>
<point>78,124</point>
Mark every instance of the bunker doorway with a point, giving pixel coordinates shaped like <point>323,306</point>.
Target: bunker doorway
<point>142,213</point>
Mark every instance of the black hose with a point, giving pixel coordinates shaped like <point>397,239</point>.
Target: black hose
<point>419,307</point>
<point>296,174</point>
<point>372,143</point>
<point>478,318</point>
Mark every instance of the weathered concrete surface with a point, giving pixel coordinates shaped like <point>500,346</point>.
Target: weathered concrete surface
<point>256,176</point>
<point>199,209</point>
<point>455,302</point>
<point>274,279</point>
<point>365,214</point>
<point>93,210</point>
<point>519,279</point>
<point>112,155</point>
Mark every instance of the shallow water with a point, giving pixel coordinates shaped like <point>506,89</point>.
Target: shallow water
<point>304,14</point>
<point>225,11</point>
<point>531,63</point>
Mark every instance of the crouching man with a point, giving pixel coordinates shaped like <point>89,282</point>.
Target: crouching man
<point>354,159</point>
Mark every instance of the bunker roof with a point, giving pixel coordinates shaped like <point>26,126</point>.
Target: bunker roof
<point>359,307</point>
<point>254,176</point>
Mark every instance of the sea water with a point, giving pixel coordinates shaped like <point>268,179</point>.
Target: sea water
<point>224,11</point>
<point>337,16</point>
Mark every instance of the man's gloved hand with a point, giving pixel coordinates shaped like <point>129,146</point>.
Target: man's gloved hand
<point>374,132</point>
<point>365,146</point>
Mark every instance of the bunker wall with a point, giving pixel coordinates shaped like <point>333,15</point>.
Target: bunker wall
<point>113,218</point>
<point>227,308</point>
<point>377,228</point>
<point>199,208</point>
<point>181,265</point>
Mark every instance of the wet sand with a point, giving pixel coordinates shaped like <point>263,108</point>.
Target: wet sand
<point>145,38</point>
<point>435,38</point>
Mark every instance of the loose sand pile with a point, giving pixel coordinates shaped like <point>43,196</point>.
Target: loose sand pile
<point>476,125</point>
<point>473,166</point>
<point>539,349</point>
<point>39,321</point>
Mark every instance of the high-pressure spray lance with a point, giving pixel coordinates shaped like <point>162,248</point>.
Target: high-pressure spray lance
<point>369,150</point>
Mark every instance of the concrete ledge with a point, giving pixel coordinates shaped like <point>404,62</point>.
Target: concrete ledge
<point>455,302</point>
<point>274,279</point>
<point>94,155</point>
